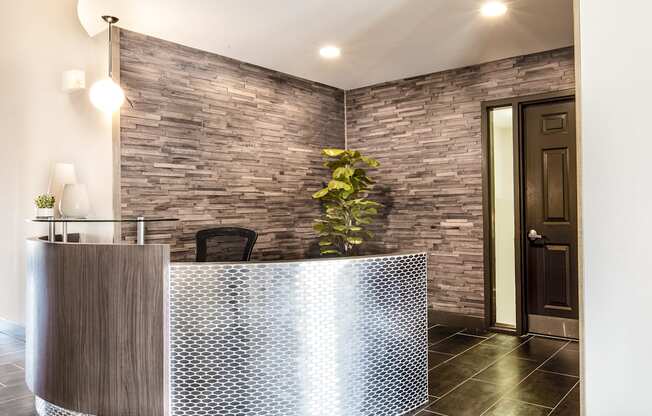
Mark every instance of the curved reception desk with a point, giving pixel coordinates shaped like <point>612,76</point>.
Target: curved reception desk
<point>117,330</point>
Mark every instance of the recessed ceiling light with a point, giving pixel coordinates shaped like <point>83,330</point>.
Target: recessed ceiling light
<point>493,9</point>
<point>330,52</point>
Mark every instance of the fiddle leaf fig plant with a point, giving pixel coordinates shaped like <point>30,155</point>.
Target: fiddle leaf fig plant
<point>346,209</point>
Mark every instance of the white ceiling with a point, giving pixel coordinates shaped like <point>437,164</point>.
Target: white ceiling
<point>381,40</point>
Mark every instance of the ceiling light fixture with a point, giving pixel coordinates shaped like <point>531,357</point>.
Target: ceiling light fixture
<point>105,94</point>
<point>493,9</point>
<point>330,52</point>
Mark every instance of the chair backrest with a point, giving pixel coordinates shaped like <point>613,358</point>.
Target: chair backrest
<point>225,244</point>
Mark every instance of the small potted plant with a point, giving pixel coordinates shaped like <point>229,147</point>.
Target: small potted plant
<point>44,206</point>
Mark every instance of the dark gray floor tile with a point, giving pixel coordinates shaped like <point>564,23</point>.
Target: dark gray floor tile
<point>8,368</point>
<point>478,332</point>
<point>445,378</point>
<point>573,346</point>
<point>436,358</point>
<point>538,349</point>
<point>470,399</point>
<point>508,342</point>
<point>420,409</point>
<point>18,407</point>
<point>13,358</point>
<point>437,333</point>
<point>508,371</point>
<point>545,389</point>
<point>456,344</point>
<point>12,379</point>
<point>570,406</point>
<point>565,361</point>
<point>507,407</point>
<point>14,392</point>
<point>479,357</point>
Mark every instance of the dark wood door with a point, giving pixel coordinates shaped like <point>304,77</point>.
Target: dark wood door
<point>551,216</point>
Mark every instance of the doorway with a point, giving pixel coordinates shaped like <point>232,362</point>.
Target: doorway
<point>530,207</point>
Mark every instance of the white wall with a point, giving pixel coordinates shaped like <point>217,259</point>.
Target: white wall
<point>40,125</point>
<point>616,86</point>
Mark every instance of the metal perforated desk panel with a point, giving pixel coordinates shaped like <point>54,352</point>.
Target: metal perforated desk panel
<point>336,337</point>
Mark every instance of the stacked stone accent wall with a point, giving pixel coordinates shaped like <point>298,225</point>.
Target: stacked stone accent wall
<point>218,142</point>
<point>426,132</point>
<point>215,142</point>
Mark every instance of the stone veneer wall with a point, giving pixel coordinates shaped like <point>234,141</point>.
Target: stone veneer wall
<point>215,142</point>
<point>426,133</point>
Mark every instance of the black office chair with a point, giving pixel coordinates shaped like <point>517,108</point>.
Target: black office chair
<point>225,244</point>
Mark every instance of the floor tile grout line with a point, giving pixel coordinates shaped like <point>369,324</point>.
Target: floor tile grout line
<point>563,398</point>
<point>443,339</point>
<point>570,340</point>
<point>471,335</point>
<point>525,378</point>
<point>455,355</point>
<point>483,368</point>
<point>523,401</point>
<point>16,398</point>
<point>558,373</point>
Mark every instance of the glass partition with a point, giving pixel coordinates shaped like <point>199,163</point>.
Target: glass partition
<point>501,145</point>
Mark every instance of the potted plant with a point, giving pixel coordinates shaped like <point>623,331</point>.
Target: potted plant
<point>347,211</point>
<point>44,206</point>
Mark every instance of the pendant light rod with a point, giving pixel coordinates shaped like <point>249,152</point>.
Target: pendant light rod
<point>111,20</point>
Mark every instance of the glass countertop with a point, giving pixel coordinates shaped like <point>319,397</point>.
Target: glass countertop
<point>137,219</point>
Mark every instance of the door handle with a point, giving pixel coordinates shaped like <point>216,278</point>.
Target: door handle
<point>533,235</point>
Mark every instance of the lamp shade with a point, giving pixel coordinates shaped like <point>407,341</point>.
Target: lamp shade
<point>62,174</point>
<point>106,95</point>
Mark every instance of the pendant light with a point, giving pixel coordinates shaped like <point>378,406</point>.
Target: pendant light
<point>105,94</point>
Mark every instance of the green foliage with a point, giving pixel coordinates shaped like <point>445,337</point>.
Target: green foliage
<point>44,201</point>
<point>346,209</point>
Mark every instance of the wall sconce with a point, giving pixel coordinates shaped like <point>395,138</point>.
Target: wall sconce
<point>73,80</point>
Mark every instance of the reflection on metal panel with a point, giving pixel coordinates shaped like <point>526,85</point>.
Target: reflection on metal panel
<point>341,337</point>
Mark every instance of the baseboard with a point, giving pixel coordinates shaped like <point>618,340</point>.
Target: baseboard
<point>12,329</point>
<point>455,319</point>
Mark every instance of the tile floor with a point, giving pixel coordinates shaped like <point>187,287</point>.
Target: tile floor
<point>471,373</point>
<point>474,373</point>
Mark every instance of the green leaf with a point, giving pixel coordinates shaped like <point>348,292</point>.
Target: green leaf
<point>332,152</point>
<point>324,243</point>
<point>354,240</point>
<point>330,251</point>
<point>321,193</point>
<point>370,162</point>
<point>355,228</point>
<point>367,203</point>
<point>343,172</point>
<point>335,184</point>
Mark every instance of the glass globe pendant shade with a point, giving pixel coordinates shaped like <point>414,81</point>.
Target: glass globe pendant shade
<point>106,95</point>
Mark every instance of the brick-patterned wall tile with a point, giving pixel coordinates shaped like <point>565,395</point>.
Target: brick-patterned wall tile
<point>215,141</point>
<point>426,133</point>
